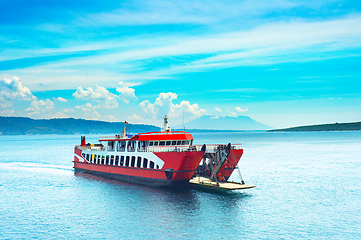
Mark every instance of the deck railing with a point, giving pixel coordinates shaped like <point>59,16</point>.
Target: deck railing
<point>214,147</point>
<point>178,148</point>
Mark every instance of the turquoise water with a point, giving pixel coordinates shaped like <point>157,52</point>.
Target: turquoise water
<point>308,187</point>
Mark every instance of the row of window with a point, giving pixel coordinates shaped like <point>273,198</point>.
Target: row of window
<point>126,161</point>
<point>168,143</point>
<point>120,146</point>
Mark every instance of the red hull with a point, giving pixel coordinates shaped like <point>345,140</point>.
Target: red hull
<point>178,168</point>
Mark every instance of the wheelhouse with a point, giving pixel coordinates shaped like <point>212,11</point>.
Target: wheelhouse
<point>148,142</point>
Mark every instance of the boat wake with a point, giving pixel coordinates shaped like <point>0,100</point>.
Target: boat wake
<point>35,166</point>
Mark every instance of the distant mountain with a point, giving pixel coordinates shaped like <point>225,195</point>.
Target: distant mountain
<point>354,126</point>
<point>225,123</point>
<point>24,126</point>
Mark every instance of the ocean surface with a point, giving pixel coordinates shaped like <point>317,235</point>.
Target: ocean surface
<point>308,187</point>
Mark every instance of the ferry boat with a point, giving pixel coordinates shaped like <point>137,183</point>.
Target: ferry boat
<point>164,158</point>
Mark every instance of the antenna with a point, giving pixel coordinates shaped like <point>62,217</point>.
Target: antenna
<point>183,120</point>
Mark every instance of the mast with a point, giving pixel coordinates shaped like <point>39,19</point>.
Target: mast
<point>125,129</point>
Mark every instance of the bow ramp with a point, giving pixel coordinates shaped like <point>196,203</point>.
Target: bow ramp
<point>218,163</point>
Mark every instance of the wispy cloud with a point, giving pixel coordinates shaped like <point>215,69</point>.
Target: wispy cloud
<point>265,44</point>
<point>189,12</point>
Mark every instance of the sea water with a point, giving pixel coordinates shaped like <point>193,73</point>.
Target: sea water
<point>308,187</point>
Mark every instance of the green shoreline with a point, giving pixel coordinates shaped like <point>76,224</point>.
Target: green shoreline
<point>28,126</point>
<point>353,126</point>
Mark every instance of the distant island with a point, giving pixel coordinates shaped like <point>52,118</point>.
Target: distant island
<point>28,126</point>
<point>224,123</point>
<point>354,126</point>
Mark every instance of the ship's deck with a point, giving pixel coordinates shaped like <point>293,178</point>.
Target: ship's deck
<point>206,183</point>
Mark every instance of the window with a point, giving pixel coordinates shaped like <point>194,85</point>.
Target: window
<point>87,157</point>
<point>121,146</point>
<point>131,146</point>
<point>127,161</point>
<point>139,162</point>
<point>111,159</point>
<point>133,161</point>
<point>161,143</point>
<point>157,166</point>
<point>151,143</point>
<point>107,160</point>
<point>116,160</point>
<point>110,146</point>
<point>174,142</point>
<point>151,164</point>
<point>183,142</point>
<point>99,158</point>
<point>103,159</point>
<point>179,142</point>
<point>168,143</point>
<point>122,160</point>
<point>142,146</point>
<point>145,162</point>
<point>156,143</point>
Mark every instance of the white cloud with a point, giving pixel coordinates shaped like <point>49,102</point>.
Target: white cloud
<point>60,99</point>
<point>12,89</point>
<point>88,112</point>
<point>40,107</point>
<point>5,104</point>
<point>135,118</point>
<point>127,93</point>
<point>232,114</point>
<point>238,112</point>
<point>6,112</point>
<point>189,109</point>
<point>111,118</point>
<point>100,95</point>
<point>88,107</point>
<point>241,110</point>
<point>96,115</point>
<point>60,115</point>
<point>218,109</point>
<point>164,105</point>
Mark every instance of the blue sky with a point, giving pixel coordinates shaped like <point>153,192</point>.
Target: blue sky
<point>283,63</point>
